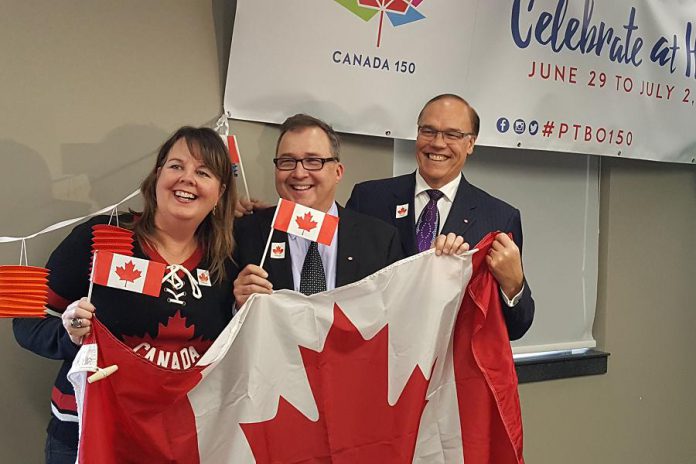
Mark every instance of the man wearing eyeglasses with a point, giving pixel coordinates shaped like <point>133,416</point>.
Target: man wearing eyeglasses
<point>437,199</point>
<point>307,171</point>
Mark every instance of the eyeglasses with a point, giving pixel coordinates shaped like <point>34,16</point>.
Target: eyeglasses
<point>429,133</point>
<point>310,164</point>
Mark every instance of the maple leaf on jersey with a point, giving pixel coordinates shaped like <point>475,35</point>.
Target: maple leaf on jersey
<point>145,401</point>
<point>171,337</point>
<point>203,277</point>
<point>305,222</point>
<point>402,211</point>
<point>128,273</point>
<point>349,381</point>
<point>278,250</point>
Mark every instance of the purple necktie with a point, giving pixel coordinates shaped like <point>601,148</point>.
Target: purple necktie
<point>428,221</point>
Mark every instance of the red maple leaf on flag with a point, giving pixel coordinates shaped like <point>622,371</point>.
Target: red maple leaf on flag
<point>128,273</point>
<point>349,380</point>
<point>278,250</point>
<point>402,211</point>
<point>305,222</point>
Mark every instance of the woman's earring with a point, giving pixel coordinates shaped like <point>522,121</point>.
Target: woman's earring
<point>214,209</point>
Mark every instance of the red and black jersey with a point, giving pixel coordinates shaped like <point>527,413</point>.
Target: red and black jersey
<point>172,330</point>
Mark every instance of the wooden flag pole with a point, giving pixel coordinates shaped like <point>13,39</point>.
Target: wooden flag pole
<point>91,276</point>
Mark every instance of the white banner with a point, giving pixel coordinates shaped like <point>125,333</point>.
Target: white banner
<point>609,78</point>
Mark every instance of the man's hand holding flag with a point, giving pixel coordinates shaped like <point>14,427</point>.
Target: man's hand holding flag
<point>292,218</point>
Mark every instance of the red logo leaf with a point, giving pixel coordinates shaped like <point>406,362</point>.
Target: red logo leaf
<point>356,422</point>
<point>128,273</point>
<point>203,277</point>
<point>278,250</point>
<point>398,6</point>
<point>306,222</point>
<point>402,211</point>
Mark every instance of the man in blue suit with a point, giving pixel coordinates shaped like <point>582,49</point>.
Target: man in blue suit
<point>438,193</point>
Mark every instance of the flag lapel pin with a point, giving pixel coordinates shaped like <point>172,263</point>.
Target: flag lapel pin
<point>203,277</point>
<point>278,250</point>
<point>401,211</point>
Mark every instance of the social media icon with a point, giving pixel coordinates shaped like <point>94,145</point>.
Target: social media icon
<point>503,125</point>
<point>520,126</point>
<point>533,127</point>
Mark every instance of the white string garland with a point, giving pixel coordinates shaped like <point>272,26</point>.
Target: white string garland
<point>23,259</point>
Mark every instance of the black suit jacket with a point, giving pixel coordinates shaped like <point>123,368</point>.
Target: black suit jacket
<point>474,214</point>
<point>365,245</point>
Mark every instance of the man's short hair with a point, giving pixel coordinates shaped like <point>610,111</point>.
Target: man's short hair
<point>302,121</point>
<point>473,115</point>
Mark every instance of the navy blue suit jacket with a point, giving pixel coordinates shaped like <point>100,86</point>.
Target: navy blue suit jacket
<point>365,245</point>
<point>474,214</point>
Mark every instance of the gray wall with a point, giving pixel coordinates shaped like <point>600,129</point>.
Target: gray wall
<point>643,409</point>
<point>89,89</point>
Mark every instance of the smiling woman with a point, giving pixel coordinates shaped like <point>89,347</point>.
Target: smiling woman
<point>186,189</point>
<point>186,223</point>
<point>189,198</point>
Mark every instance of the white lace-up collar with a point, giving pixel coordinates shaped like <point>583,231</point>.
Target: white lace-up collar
<point>177,283</point>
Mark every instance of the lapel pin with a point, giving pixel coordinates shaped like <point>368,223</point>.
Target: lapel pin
<point>203,276</point>
<point>401,211</point>
<point>278,250</point>
<point>466,221</point>
<point>350,258</point>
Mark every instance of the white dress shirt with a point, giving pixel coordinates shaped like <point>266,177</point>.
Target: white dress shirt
<point>444,205</point>
<point>298,250</point>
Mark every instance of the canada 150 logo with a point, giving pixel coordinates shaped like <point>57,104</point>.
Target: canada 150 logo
<point>399,12</point>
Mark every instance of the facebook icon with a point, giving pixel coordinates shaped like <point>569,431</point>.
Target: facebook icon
<point>503,125</point>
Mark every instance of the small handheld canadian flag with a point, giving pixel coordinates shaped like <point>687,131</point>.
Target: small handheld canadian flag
<point>128,273</point>
<point>222,127</point>
<point>235,158</point>
<point>304,222</point>
<point>233,148</point>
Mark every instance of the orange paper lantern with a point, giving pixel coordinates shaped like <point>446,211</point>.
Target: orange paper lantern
<point>23,291</point>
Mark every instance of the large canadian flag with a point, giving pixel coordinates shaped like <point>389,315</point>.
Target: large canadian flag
<point>411,364</point>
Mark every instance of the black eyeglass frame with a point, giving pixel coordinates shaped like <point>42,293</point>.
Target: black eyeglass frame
<point>302,161</point>
<point>450,135</point>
